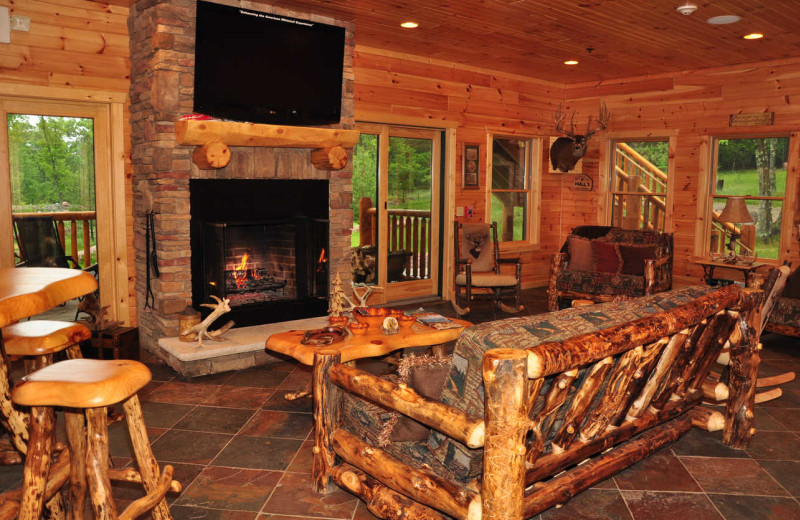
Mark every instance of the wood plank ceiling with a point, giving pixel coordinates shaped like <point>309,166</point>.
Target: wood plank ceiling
<point>534,37</point>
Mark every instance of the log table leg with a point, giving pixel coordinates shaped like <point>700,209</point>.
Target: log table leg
<point>97,458</point>
<point>76,440</point>
<point>326,419</point>
<point>34,477</point>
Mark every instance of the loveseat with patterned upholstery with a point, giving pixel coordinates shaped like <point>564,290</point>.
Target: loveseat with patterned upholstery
<point>785,317</point>
<point>601,263</point>
<point>533,410</point>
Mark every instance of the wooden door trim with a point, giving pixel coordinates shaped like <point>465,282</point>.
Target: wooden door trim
<point>109,158</point>
<point>384,132</point>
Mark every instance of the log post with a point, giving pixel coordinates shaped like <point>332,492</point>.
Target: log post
<point>212,156</point>
<point>76,441</point>
<point>97,459</point>
<point>739,418</point>
<point>334,158</point>
<point>503,489</point>
<point>326,419</point>
<point>148,466</point>
<point>552,291</point>
<point>37,463</point>
<point>365,220</point>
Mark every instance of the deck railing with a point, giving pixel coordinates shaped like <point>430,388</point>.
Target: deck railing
<point>409,231</point>
<point>640,192</point>
<point>640,201</point>
<point>71,221</point>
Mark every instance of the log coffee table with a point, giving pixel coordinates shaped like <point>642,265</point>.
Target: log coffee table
<point>372,344</point>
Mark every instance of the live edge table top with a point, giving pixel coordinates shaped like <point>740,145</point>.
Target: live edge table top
<point>28,291</point>
<point>372,344</point>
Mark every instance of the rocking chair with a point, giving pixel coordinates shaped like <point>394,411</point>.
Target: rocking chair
<point>478,267</point>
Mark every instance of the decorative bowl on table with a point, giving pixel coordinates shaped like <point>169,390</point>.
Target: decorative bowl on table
<point>395,313</point>
<point>404,320</point>
<point>372,316</point>
<point>341,321</point>
<point>357,328</point>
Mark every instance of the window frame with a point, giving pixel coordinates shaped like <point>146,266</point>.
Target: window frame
<point>708,187</point>
<point>606,160</point>
<point>533,170</point>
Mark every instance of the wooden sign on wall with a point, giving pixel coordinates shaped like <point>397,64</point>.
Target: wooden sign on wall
<point>753,119</point>
<point>582,182</point>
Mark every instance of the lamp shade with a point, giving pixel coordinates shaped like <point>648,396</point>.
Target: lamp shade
<point>735,211</point>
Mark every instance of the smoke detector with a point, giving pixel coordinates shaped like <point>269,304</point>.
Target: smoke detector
<point>687,9</point>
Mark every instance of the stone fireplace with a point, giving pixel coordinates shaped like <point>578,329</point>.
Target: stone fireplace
<point>162,63</point>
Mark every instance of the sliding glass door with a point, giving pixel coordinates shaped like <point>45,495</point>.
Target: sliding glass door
<point>396,194</point>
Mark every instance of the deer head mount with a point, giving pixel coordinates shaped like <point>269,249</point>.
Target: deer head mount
<point>567,151</point>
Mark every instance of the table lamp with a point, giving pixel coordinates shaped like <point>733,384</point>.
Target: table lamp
<point>735,212</point>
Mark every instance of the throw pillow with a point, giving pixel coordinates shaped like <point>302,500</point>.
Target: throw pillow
<point>606,257</point>
<point>476,244</point>
<point>633,258</point>
<point>425,375</point>
<point>580,254</point>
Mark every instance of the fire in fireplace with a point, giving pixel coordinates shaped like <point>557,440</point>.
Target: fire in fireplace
<point>268,256</point>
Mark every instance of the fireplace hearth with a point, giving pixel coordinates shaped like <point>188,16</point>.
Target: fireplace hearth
<point>265,252</point>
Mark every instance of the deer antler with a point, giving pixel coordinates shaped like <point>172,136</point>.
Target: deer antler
<point>559,117</point>
<point>602,121</point>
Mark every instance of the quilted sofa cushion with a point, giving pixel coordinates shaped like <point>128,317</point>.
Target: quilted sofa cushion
<point>613,284</point>
<point>464,387</point>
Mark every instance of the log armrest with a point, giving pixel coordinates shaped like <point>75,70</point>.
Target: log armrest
<point>439,416</point>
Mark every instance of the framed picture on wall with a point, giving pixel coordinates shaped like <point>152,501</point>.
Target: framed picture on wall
<point>470,179</point>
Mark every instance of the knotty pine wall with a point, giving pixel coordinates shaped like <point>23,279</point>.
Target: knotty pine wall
<point>695,106</point>
<point>411,90</point>
<point>692,106</point>
<point>84,45</point>
<point>74,45</point>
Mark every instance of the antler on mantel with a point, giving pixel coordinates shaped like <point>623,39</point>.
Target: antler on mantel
<point>220,308</point>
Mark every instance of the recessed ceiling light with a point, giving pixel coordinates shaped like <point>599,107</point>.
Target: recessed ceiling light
<point>409,25</point>
<point>753,36</point>
<point>571,62</point>
<point>724,19</point>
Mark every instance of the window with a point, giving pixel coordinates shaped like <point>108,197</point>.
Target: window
<point>756,169</point>
<point>514,187</point>
<point>639,184</point>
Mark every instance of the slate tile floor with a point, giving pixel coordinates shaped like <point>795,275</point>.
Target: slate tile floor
<point>242,452</point>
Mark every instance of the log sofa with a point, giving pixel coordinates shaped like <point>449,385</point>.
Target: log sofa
<point>534,410</point>
<point>602,263</point>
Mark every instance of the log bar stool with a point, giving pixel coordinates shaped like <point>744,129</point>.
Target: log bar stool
<point>87,386</point>
<point>40,339</point>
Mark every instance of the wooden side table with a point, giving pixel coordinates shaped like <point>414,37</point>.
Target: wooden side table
<point>745,269</point>
<point>372,344</point>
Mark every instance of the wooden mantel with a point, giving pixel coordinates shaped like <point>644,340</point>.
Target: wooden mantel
<point>214,139</point>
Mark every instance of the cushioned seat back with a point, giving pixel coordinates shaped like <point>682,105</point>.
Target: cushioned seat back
<point>464,386</point>
<point>476,244</point>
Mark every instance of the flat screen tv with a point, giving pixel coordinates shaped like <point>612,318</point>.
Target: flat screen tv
<point>264,68</point>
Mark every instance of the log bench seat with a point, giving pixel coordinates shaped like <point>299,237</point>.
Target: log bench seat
<point>533,410</point>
